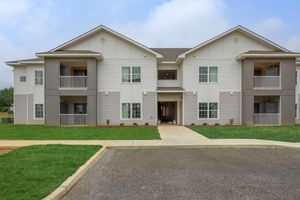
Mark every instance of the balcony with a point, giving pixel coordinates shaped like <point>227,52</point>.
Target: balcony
<point>267,82</point>
<point>73,119</point>
<point>267,110</point>
<point>71,82</point>
<point>73,110</point>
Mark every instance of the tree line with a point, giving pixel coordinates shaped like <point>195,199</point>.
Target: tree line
<point>6,99</point>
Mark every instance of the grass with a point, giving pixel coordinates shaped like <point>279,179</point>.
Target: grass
<point>33,172</point>
<point>277,133</point>
<point>41,132</point>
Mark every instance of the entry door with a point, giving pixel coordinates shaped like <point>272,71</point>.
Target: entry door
<point>167,111</point>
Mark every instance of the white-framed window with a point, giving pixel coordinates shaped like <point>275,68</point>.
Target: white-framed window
<point>39,77</point>
<point>208,74</point>
<point>126,110</point>
<point>136,110</point>
<point>131,74</point>
<point>203,108</point>
<point>136,74</point>
<point>125,74</point>
<point>208,110</point>
<point>131,110</point>
<point>22,78</point>
<point>39,111</point>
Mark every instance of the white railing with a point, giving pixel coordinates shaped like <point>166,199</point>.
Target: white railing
<point>73,119</point>
<point>73,81</point>
<point>266,118</point>
<point>267,81</point>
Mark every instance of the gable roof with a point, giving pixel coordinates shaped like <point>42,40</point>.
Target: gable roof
<point>99,28</point>
<point>170,54</point>
<point>237,28</point>
<point>26,61</point>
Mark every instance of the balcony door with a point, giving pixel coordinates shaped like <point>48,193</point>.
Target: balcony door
<point>80,108</point>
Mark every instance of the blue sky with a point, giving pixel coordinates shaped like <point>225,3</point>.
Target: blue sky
<point>30,26</point>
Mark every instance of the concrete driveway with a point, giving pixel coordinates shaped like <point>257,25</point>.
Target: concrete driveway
<point>192,173</point>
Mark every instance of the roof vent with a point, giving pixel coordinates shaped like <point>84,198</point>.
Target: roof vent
<point>102,40</point>
<point>236,40</point>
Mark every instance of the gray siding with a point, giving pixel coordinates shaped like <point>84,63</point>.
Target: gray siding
<point>286,93</point>
<point>109,108</point>
<point>53,93</point>
<point>24,110</point>
<point>20,114</point>
<point>229,107</point>
<point>31,111</point>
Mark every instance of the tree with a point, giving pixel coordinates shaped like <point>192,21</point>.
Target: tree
<point>6,97</point>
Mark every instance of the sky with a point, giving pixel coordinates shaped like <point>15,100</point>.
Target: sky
<point>31,26</point>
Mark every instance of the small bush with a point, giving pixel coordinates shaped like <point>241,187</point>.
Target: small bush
<point>4,109</point>
<point>217,124</point>
<point>192,124</point>
<point>204,124</point>
<point>231,121</point>
<point>107,122</point>
<point>134,124</point>
<point>10,112</point>
<point>121,124</point>
<point>146,124</point>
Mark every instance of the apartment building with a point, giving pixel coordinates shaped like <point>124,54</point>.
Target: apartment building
<point>103,76</point>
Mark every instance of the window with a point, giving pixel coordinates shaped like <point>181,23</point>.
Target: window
<point>38,77</point>
<point>208,74</point>
<point>213,110</point>
<point>296,110</point>
<point>136,74</point>
<point>203,108</point>
<point>213,74</point>
<point>167,74</point>
<point>126,110</point>
<point>208,110</point>
<point>22,78</point>
<point>39,111</point>
<point>131,110</point>
<point>126,74</point>
<point>136,110</point>
<point>203,72</point>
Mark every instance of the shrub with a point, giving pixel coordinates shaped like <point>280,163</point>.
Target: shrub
<point>146,124</point>
<point>107,122</point>
<point>192,124</point>
<point>217,124</point>
<point>10,112</point>
<point>231,121</point>
<point>121,124</point>
<point>4,109</point>
<point>134,124</point>
<point>204,124</point>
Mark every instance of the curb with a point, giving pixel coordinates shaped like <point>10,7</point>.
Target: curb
<point>59,192</point>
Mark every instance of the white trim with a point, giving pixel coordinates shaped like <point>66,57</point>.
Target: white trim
<point>240,28</point>
<point>258,55</point>
<point>131,119</point>
<point>99,28</point>
<point>72,55</point>
<point>18,63</point>
<point>208,102</point>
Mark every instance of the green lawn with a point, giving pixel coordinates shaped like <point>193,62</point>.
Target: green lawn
<point>278,133</point>
<point>41,132</point>
<point>34,172</point>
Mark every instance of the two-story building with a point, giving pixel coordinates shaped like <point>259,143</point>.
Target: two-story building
<point>102,76</point>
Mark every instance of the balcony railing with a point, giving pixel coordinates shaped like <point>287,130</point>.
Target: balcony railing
<point>73,82</point>
<point>266,118</point>
<point>73,119</point>
<point>266,82</point>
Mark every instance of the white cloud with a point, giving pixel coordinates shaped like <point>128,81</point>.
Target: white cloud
<point>269,25</point>
<point>179,23</point>
<point>293,44</point>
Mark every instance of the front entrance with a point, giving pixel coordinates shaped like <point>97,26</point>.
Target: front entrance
<point>167,112</point>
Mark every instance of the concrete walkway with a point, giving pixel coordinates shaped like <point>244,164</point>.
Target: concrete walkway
<point>170,136</point>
